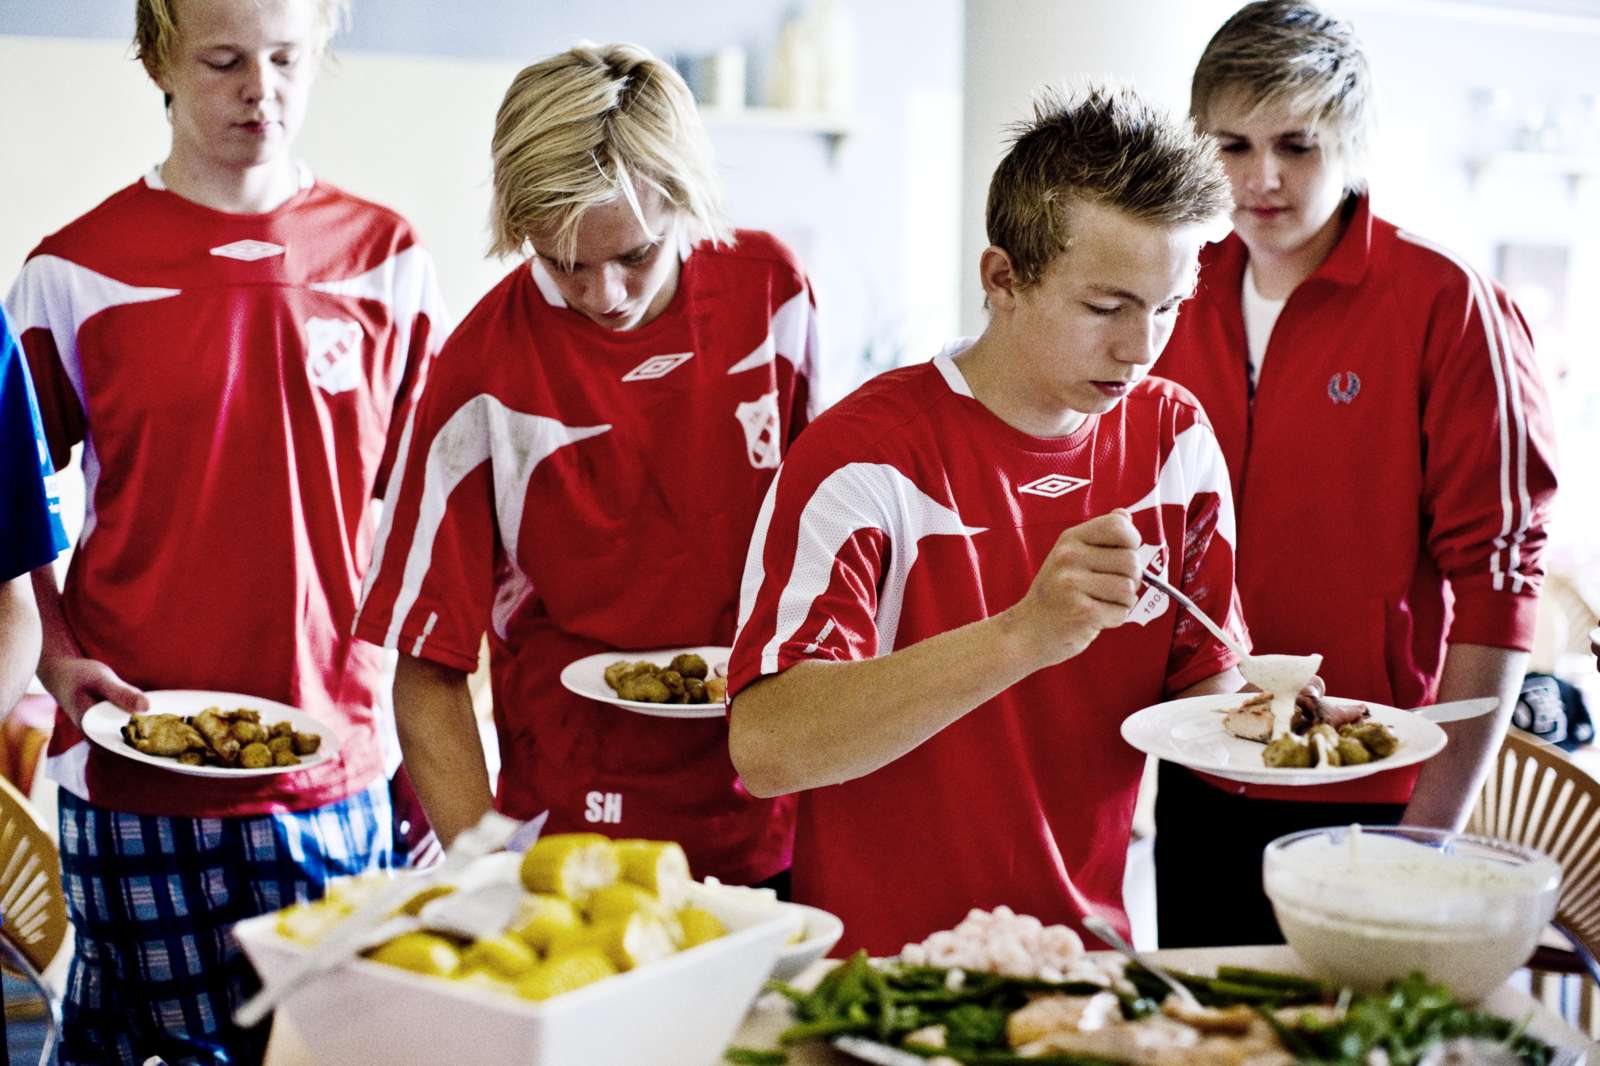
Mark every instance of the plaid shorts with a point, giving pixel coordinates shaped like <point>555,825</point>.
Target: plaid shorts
<point>153,901</point>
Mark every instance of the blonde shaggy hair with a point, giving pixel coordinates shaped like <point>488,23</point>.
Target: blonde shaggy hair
<point>1100,145</point>
<point>589,125</point>
<point>155,29</point>
<point>1293,55</point>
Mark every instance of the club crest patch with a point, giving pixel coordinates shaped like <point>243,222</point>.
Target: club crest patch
<point>762,430</point>
<point>333,354</point>
<point>1344,388</point>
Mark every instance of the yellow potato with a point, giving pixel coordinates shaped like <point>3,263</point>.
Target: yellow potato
<point>504,956</point>
<point>419,952</point>
<point>699,926</point>
<point>628,942</point>
<point>414,905</point>
<point>571,865</point>
<point>619,901</point>
<point>563,973</point>
<point>661,866</point>
<point>543,917</point>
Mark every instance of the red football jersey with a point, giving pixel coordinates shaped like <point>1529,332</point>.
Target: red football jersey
<point>909,510</point>
<point>232,379</point>
<point>1393,472</point>
<point>575,490</point>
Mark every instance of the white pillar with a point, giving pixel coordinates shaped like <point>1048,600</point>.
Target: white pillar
<point>1014,46</point>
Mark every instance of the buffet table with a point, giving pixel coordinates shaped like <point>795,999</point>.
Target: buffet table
<point>770,1014</point>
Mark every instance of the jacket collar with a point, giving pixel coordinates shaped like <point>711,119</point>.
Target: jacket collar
<point>1346,264</point>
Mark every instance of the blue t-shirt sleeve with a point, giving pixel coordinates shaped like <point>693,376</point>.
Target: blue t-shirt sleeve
<point>31,533</point>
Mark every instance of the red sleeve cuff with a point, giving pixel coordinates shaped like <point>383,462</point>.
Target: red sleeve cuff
<point>431,649</point>
<point>1494,619</point>
<point>1199,669</point>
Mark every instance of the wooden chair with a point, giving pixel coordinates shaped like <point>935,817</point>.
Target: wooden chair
<point>1536,796</point>
<point>33,905</point>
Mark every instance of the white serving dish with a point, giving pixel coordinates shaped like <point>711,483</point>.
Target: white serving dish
<point>821,930</point>
<point>1365,906</point>
<point>681,1009</point>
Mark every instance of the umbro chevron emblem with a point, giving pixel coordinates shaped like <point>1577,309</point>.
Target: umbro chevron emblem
<point>1052,486</point>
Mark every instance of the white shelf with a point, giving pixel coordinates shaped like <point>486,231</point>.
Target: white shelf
<point>1573,167</point>
<point>832,128</point>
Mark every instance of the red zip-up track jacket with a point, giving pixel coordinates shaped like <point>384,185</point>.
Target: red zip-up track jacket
<point>1393,473</point>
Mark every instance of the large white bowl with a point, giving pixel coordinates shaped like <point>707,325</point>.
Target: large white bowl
<point>681,1010</point>
<point>1363,906</point>
<point>819,932</point>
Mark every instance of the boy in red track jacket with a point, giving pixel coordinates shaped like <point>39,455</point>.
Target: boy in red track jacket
<point>1389,444</point>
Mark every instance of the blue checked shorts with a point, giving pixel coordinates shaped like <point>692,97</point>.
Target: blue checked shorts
<point>153,900</point>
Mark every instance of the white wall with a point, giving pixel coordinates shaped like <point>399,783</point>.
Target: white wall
<point>875,224</point>
<point>1014,46</point>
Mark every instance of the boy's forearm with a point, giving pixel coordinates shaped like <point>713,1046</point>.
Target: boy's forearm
<point>1449,782</point>
<point>58,639</point>
<point>19,640</point>
<point>439,741</point>
<point>820,723</point>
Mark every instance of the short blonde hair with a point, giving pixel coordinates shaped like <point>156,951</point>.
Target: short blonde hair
<point>155,29</point>
<point>1101,145</point>
<point>1294,55</point>
<point>596,122</point>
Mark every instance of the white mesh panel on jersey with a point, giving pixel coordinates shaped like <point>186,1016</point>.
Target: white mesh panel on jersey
<point>1194,465</point>
<point>60,296</point>
<point>856,497</point>
<point>791,333</point>
<point>482,429</point>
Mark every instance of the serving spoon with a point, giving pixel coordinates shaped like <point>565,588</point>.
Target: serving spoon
<point>1281,675</point>
<point>1102,929</point>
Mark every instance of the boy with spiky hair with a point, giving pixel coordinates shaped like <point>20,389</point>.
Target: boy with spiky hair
<point>229,339</point>
<point>943,624</point>
<point>1389,443</point>
<point>585,469</point>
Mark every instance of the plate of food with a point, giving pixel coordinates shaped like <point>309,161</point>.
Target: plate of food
<point>667,683</point>
<point>1005,987</point>
<point>213,734</point>
<point>1236,736</point>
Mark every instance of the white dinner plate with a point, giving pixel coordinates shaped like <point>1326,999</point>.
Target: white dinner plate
<point>1189,732</point>
<point>587,678</point>
<point>103,723</point>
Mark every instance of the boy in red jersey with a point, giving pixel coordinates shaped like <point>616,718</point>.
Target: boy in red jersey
<point>585,468</point>
<point>1390,449</point>
<point>229,340</point>
<point>943,625</point>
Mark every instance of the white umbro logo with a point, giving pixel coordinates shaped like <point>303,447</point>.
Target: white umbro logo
<point>1053,485</point>
<point>657,366</point>
<point>248,251</point>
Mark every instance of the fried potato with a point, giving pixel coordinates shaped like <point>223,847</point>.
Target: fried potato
<point>166,735</point>
<point>255,756</point>
<point>215,737</point>
<point>689,664</point>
